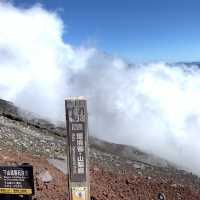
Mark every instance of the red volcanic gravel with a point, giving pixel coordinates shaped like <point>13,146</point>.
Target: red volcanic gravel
<point>105,185</point>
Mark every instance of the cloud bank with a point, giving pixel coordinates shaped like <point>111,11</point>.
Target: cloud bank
<point>154,107</point>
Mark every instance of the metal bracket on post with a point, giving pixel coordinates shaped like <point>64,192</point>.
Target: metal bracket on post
<point>78,148</point>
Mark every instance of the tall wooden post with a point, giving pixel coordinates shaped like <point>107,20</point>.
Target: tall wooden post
<point>78,148</point>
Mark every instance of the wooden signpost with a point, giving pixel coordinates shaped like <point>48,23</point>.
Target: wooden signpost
<point>78,153</point>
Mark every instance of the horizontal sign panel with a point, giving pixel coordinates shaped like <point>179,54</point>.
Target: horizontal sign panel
<point>16,180</point>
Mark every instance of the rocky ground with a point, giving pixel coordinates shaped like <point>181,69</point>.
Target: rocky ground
<point>56,189</point>
<point>105,185</point>
<point>117,171</point>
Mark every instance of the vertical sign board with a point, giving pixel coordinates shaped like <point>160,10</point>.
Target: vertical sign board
<point>77,137</point>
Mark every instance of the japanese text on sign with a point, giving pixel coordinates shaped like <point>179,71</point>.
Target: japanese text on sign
<point>76,113</point>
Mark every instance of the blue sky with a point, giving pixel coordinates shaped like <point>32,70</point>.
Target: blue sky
<point>137,30</point>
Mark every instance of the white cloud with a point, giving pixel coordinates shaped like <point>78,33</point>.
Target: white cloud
<point>155,107</point>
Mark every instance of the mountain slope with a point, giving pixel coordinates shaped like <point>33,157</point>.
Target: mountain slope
<point>25,137</point>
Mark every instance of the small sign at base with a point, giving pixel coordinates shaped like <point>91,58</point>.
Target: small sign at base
<point>79,193</point>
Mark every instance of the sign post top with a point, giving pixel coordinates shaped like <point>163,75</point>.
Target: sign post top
<point>75,98</point>
<point>76,102</point>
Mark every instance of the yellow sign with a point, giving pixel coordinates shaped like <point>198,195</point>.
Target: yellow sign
<point>79,193</point>
<point>15,191</point>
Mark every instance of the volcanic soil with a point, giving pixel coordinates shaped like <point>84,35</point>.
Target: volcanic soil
<point>105,184</point>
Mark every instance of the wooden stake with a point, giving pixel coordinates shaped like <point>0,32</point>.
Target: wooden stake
<point>78,148</point>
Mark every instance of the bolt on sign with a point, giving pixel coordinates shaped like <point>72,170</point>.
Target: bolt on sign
<point>16,180</point>
<point>78,153</point>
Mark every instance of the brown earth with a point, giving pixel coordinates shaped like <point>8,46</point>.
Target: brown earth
<point>118,172</point>
<point>105,185</point>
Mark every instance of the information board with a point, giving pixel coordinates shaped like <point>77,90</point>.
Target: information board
<point>16,180</point>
